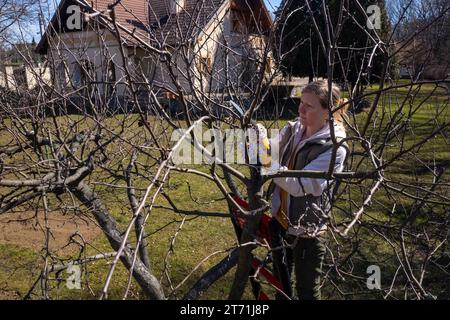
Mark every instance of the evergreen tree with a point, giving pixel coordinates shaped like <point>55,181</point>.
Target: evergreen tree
<point>301,54</point>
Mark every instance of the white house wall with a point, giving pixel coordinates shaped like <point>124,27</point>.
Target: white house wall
<point>37,75</point>
<point>211,43</point>
<point>7,77</point>
<point>74,47</point>
<point>34,76</point>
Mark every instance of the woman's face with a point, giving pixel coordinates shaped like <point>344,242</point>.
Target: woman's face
<point>311,113</point>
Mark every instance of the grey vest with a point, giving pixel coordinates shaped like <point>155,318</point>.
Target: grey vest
<point>310,212</point>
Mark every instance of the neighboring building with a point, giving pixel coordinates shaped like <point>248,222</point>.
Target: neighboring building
<point>415,59</point>
<point>425,55</point>
<point>13,75</point>
<point>91,51</point>
<point>21,68</point>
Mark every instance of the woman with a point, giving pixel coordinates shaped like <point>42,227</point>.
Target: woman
<point>300,206</point>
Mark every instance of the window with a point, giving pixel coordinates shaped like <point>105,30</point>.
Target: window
<point>60,80</point>
<point>110,77</point>
<point>76,77</point>
<point>83,73</point>
<point>3,81</point>
<point>111,72</point>
<point>20,76</point>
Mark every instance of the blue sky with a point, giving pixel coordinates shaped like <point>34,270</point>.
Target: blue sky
<point>272,4</point>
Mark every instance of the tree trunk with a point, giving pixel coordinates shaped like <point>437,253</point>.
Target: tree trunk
<point>146,280</point>
<point>143,254</point>
<point>248,235</point>
<point>212,275</point>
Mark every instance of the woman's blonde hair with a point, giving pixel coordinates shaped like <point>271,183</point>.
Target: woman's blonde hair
<point>320,89</point>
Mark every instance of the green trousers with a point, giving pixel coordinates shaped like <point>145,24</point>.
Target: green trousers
<point>305,258</point>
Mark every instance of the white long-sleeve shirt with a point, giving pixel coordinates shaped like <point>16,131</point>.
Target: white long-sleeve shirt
<point>298,187</point>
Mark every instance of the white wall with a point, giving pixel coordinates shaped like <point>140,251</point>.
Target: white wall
<point>37,75</point>
<point>76,47</point>
<point>34,76</point>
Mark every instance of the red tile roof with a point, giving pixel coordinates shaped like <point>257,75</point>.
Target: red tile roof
<point>131,14</point>
<point>151,19</point>
<point>128,12</point>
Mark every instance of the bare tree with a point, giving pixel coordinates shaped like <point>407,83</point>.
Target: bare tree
<point>125,80</point>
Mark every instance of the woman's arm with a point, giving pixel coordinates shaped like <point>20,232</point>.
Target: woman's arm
<point>298,187</point>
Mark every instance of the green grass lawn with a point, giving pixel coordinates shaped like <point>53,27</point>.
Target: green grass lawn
<point>201,236</point>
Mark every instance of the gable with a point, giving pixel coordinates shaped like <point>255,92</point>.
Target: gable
<point>168,28</point>
<point>253,14</point>
<point>195,16</point>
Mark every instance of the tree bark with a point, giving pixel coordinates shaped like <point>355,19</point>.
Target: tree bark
<point>248,235</point>
<point>146,280</point>
<point>212,275</point>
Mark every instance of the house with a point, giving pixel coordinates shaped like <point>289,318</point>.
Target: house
<point>423,55</point>
<point>21,68</point>
<point>417,59</point>
<point>15,75</point>
<point>211,43</point>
